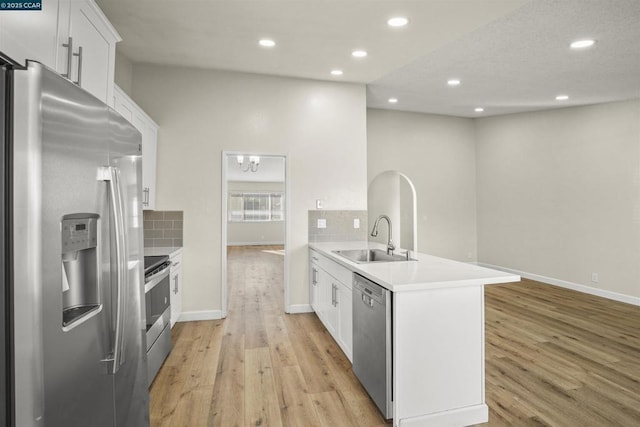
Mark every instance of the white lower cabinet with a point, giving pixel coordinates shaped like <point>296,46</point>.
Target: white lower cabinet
<point>327,302</point>
<point>344,299</point>
<point>314,286</point>
<point>176,286</point>
<point>331,299</point>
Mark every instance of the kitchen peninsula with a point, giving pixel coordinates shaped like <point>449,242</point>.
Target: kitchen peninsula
<point>437,321</point>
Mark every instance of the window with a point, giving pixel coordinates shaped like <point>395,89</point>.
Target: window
<point>252,207</point>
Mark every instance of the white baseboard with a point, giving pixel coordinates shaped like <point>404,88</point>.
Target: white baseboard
<point>299,308</point>
<point>569,285</point>
<point>255,243</point>
<point>190,316</point>
<point>466,416</point>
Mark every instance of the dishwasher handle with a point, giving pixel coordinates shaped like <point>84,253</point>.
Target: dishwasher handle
<point>367,300</point>
<point>370,289</point>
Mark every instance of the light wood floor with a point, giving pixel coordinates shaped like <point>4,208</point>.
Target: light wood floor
<point>553,357</point>
<point>560,358</point>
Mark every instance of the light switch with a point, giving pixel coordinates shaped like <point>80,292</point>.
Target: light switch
<point>356,223</point>
<point>322,223</point>
<point>319,204</point>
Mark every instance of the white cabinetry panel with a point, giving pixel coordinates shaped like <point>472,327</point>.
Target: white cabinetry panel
<point>149,130</point>
<point>91,63</point>
<point>176,286</point>
<point>150,154</point>
<point>331,299</point>
<point>44,36</point>
<point>28,34</point>
<point>345,316</point>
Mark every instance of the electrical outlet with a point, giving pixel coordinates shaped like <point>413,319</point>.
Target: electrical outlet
<point>356,223</point>
<point>319,204</point>
<point>594,277</point>
<point>322,223</point>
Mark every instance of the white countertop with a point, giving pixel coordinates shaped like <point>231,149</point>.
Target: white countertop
<point>164,250</point>
<point>427,272</point>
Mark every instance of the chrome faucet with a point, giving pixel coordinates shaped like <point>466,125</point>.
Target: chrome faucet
<point>374,232</point>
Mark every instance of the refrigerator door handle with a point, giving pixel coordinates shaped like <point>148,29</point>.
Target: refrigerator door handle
<point>111,174</point>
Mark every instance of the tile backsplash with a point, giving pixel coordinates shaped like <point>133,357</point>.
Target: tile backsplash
<point>339,226</point>
<point>163,228</point>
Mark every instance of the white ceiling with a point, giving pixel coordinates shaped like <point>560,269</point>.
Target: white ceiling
<point>511,55</point>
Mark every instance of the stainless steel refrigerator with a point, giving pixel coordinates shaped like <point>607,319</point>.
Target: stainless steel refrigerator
<point>76,321</point>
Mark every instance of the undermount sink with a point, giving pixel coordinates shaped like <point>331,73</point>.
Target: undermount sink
<point>365,256</point>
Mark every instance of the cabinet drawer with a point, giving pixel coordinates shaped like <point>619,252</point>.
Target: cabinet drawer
<point>314,257</point>
<point>342,274</point>
<point>176,260</point>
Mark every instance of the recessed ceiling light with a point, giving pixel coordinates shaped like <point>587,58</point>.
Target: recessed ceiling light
<point>398,21</point>
<point>453,82</point>
<point>393,100</point>
<point>562,97</point>
<point>266,43</point>
<point>359,53</point>
<point>479,110</point>
<point>582,44</point>
<point>336,72</point>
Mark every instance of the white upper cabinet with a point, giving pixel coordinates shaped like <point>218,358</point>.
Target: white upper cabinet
<point>72,37</point>
<point>149,130</point>
<point>87,47</point>
<point>31,34</point>
<point>149,155</point>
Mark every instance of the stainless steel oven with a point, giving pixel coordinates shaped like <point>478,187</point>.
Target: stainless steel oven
<point>157,290</point>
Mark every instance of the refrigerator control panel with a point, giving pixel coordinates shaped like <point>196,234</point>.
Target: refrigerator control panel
<point>79,233</point>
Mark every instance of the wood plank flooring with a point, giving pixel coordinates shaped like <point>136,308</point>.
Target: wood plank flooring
<point>560,358</point>
<point>553,357</point>
<point>259,366</point>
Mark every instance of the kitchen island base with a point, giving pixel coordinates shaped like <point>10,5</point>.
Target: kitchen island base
<point>458,417</point>
<point>438,331</point>
<point>439,357</point>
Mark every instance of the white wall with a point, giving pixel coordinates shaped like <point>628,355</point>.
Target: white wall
<point>124,73</point>
<point>260,232</point>
<point>438,154</point>
<point>559,194</point>
<point>320,126</point>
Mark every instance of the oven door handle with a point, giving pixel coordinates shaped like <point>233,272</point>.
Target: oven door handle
<point>152,281</point>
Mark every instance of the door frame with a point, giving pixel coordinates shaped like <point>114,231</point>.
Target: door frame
<point>224,295</point>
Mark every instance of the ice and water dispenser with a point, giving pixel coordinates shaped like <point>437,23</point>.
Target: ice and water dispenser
<point>80,267</point>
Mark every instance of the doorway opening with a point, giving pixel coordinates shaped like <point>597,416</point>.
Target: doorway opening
<point>255,223</point>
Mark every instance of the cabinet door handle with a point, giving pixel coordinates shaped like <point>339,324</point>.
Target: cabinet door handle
<point>69,46</point>
<point>314,277</point>
<point>145,196</point>
<point>175,288</point>
<point>79,55</point>
<point>175,264</point>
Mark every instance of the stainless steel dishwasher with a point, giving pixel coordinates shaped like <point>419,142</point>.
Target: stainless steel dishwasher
<point>372,355</point>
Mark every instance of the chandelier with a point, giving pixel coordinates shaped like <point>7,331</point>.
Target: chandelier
<point>252,164</point>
